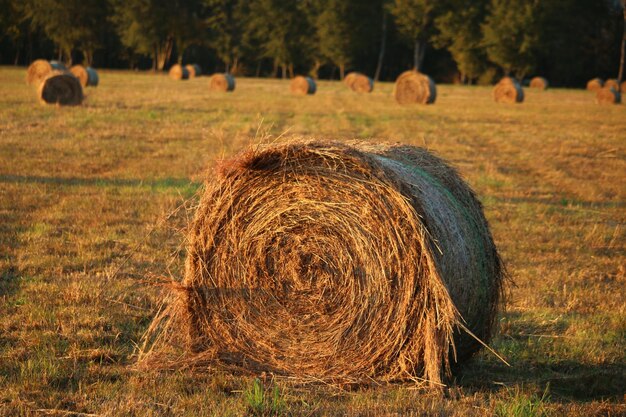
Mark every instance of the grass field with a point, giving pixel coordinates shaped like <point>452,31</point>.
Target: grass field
<point>88,217</point>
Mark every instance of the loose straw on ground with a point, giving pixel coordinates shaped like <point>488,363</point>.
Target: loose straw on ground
<point>414,87</point>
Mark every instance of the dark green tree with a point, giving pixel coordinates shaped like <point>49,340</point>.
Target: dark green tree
<point>335,33</point>
<point>226,25</point>
<point>415,21</point>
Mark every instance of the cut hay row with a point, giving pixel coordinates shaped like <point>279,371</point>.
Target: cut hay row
<point>414,87</point>
<point>359,83</point>
<point>178,72</point>
<point>87,76</point>
<point>40,68</point>
<point>222,82</point>
<point>608,95</point>
<point>62,88</point>
<point>336,262</point>
<point>595,84</point>
<point>194,70</point>
<point>509,91</point>
<point>539,83</point>
<point>301,85</point>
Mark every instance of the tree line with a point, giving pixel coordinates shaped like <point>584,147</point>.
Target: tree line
<point>477,41</point>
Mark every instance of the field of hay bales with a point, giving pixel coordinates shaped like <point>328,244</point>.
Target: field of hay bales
<point>94,201</point>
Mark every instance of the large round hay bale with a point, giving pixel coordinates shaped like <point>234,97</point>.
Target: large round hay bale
<point>608,95</point>
<point>194,70</point>
<point>40,68</point>
<point>595,84</point>
<point>301,85</point>
<point>61,87</point>
<point>358,82</point>
<point>178,72</point>
<point>414,87</point>
<point>539,83</point>
<point>335,262</point>
<point>509,91</point>
<point>87,76</point>
<point>612,83</point>
<point>222,82</point>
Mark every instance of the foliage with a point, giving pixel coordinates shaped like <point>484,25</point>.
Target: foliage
<point>263,402</point>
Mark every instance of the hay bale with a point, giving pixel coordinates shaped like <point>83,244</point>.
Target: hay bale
<point>88,76</point>
<point>612,83</point>
<point>222,82</point>
<point>302,85</point>
<point>61,87</point>
<point>623,87</point>
<point>40,68</point>
<point>508,90</point>
<point>194,70</point>
<point>341,262</point>
<point>414,87</point>
<point>359,82</point>
<point>178,72</point>
<point>608,95</point>
<point>595,84</point>
<point>539,83</point>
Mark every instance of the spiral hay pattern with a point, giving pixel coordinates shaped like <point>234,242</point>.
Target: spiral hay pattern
<point>178,72</point>
<point>415,87</point>
<point>61,87</point>
<point>87,76</point>
<point>509,91</point>
<point>222,82</point>
<point>334,262</point>
<point>302,85</point>
<point>359,82</point>
<point>40,69</point>
<point>595,84</point>
<point>539,83</point>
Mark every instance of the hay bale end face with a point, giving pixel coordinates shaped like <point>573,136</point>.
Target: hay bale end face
<point>40,68</point>
<point>194,70</point>
<point>222,82</point>
<point>539,83</point>
<point>359,83</point>
<point>364,257</point>
<point>608,95</point>
<point>87,76</point>
<point>612,83</point>
<point>509,91</point>
<point>61,87</point>
<point>623,87</point>
<point>302,86</point>
<point>178,72</point>
<point>595,84</point>
<point>414,87</point>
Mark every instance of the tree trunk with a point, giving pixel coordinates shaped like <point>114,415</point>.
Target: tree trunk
<point>342,71</point>
<point>620,76</point>
<point>316,68</point>
<point>283,70</point>
<point>17,57</point>
<point>418,55</point>
<point>291,74</point>
<point>383,43</point>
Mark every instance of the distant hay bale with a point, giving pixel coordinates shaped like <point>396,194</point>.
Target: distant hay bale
<point>608,95</point>
<point>178,72</point>
<point>302,85</point>
<point>40,68</point>
<point>595,84</point>
<point>88,76</point>
<point>61,87</point>
<point>194,70</point>
<point>539,83</point>
<point>222,82</point>
<point>612,83</point>
<point>509,91</point>
<point>359,82</point>
<point>332,261</point>
<point>623,87</point>
<point>414,87</point>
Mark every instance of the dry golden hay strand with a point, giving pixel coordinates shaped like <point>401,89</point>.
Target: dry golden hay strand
<point>595,84</point>
<point>301,85</point>
<point>539,82</point>
<point>508,90</point>
<point>178,72</point>
<point>87,76</point>
<point>342,262</point>
<point>222,82</point>
<point>414,87</point>
<point>612,83</point>
<point>359,82</point>
<point>61,87</point>
<point>608,95</point>
<point>194,70</point>
<point>40,68</point>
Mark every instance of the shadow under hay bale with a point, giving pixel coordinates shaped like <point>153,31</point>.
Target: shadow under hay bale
<point>336,262</point>
<point>222,82</point>
<point>194,70</point>
<point>178,72</point>
<point>302,86</point>
<point>414,87</point>
<point>595,84</point>
<point>61,87</point>
<point>358,82</point>
<point>539,83</point>
<point>40,68</point>
<point>608,95</point>
<point>87,76</point>
<point>509,91</point>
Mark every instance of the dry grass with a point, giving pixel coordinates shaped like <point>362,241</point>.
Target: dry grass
<point>86,191</point>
